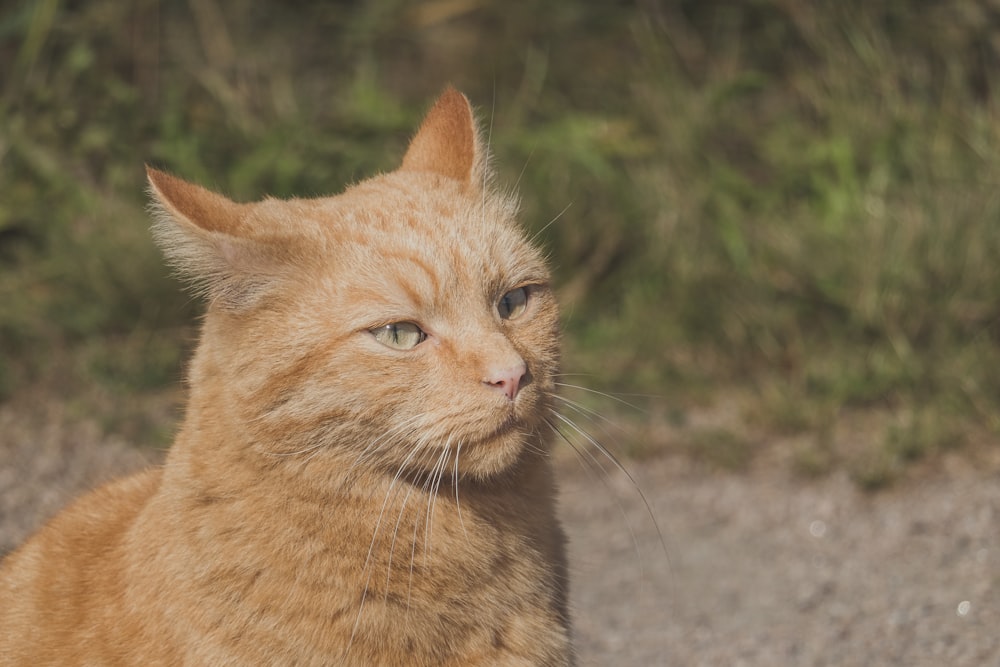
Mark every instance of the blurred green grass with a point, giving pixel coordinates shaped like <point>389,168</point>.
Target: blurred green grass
<point>795,199</point>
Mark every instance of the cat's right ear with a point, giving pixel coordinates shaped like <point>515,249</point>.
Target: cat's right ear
<point>206,238</point>
<point>448,142</point>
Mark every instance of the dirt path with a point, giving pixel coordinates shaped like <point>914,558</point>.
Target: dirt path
<point>770,571</point>
<point>760,569</point>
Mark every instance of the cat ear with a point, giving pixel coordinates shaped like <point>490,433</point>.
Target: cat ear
<point>207,238</point>
<point>447,142</point>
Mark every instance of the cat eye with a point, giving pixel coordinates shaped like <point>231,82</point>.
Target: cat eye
<point>399,335</point>
<point>513,303</point>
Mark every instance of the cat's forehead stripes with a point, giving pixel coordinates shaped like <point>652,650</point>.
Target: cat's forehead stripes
<point>396,280</point>
<point>424,243</point>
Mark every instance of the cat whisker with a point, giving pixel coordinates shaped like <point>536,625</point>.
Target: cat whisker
<point>413,540</point>
<point>395,533</point>
<point>596,375</point>
<point>316,452</point>
<point>458,503</point>
<point>591,465</point>
<point>607,454</point>
<point>595,417</point>
<point>530,444</point>
<point>382,442</point>
<point>432,484</point>
<point>489,143</point>
<point>602,394</point>
<point>551,222</point>
<point>314,448</point>
<point>617,396</point>
<point>416,525</point>
<point>413,556</point>
<point>524,168</point>
<point>378,523</point>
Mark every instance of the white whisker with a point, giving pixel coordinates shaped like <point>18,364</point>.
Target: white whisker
<point>550,223</point>
<point>395,533</point>
<point>489,144</point>
<point>583,410</point>
<point>413,556</point>
<point>458,504</point>
<point>434,479</point>
<point>524,168</point>
<point>601,394</point>
<point>622,469</point>
<point>591,464</point>
<point>383,441</point>
<point>371,547</point>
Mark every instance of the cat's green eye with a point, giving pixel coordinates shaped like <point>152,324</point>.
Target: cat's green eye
<point>399,335</point>
<point>512,304</point>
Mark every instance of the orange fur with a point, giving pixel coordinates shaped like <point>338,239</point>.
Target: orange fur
<point>330,500</point>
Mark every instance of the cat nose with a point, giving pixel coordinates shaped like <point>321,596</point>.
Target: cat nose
<point>507,380</point>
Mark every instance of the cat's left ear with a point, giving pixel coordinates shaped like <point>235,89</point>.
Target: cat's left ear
<point>447,142</point>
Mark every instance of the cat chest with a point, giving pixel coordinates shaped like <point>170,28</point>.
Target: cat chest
<point>405,581</point>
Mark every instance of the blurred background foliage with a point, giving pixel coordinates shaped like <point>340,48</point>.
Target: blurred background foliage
<point>793,204</point>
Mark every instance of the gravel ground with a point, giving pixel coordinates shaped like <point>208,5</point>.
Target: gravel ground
<point>764,570</point>
<point>756,569</point>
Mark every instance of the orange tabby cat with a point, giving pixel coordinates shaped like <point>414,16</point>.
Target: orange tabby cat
<point>361,477</point>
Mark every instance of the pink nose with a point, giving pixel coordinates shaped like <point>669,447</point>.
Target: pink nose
<point>507,380</point>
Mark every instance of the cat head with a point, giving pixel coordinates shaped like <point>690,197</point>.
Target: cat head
<point>405,324</point>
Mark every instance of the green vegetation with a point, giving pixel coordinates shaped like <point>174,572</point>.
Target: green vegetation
<point>796,200</point>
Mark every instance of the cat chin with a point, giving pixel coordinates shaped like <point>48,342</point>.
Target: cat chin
<point>497,454</point>
<point>481,460</point>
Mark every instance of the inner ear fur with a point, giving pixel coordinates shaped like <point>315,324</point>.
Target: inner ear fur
<point>448,142</point>
<point>210,242</point>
